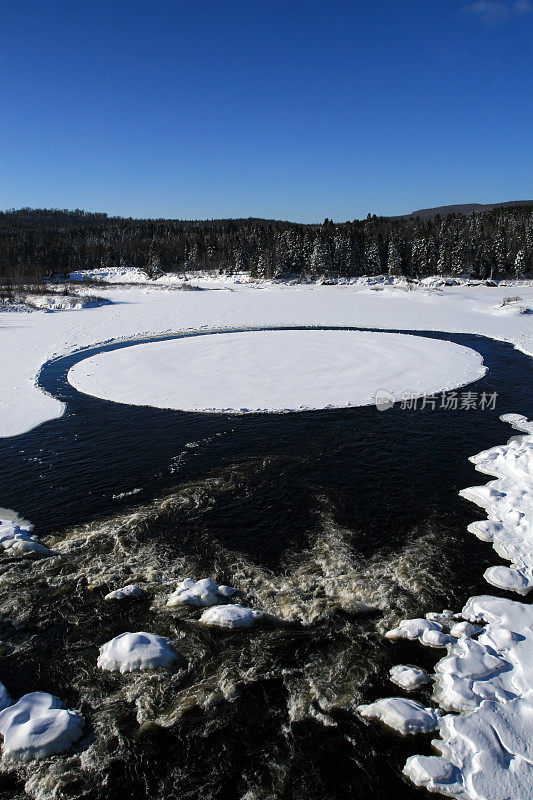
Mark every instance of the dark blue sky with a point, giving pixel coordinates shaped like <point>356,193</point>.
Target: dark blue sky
<point>293,110</point>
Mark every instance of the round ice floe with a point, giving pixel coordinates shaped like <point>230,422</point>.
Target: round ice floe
<point>199,593</point>
<point>230,616</point>
<point>405,716</point>
<point>409,678</point>
<point>280,370</point>
<point>36,726</point>
<point>131,651</point>
<point>124,593</point>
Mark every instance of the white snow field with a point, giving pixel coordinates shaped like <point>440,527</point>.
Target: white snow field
<point>485,680</point>
<point>37,726</point>
<point>27,341</point>
<point>131,651</point>
<point>266,371</point>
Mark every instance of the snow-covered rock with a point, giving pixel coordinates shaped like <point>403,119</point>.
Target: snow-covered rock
<point>508,502</point>
<point>230,616</point>
<point>409,678</point>
<point>200,593</point>
<point>435,774</point>
<point>36,726</point>
<point>436,638</point>
<point>405,716</point>
<point>486,751</point>
<point>126,592</point>
<point>444,618</point>
<point>131,651</point>
<point>487,755</point>
<point>514,580</point>
<point>17,539</point>
<point>413,628</point>
<point>464,629</point>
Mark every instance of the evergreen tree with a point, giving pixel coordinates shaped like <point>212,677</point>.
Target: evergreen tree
<point>320,263</point>
<point>373,258</point>
<point>520,263</point>
<point>394,261</point>
<point>442,261</point>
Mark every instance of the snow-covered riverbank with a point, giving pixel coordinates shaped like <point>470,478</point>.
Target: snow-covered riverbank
<point>486,678</point>
<point>29,340</point>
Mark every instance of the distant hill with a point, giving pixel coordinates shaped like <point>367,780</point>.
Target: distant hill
<point>464,208</point>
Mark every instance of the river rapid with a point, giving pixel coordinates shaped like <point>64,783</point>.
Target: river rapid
<point>337,523</point>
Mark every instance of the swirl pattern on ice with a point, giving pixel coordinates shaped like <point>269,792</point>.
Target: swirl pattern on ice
<point>276,370</point>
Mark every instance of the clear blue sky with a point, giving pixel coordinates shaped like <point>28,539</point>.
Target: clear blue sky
<point>281,109</point>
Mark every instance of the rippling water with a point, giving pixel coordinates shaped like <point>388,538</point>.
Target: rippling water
<point>335,522</point>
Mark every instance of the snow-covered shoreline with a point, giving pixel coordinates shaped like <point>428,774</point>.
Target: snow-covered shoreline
<point>30,340</point>
<point>486,678</point>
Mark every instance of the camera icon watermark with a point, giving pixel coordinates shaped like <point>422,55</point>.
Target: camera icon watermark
<point>384,400</point>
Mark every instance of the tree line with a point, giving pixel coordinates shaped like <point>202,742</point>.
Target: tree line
<point>36,245</point>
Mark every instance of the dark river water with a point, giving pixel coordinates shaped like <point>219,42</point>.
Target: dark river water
<point>336,522</point>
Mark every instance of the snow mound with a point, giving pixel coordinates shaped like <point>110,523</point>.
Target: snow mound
<point>435,774</point>
<point>405,716</point>
<point>514,580</point>
<point>436,638</point>
<point>462,630</point>
<point>508,502</point>
<point>17,539</point>
<point>199,593</point>
<point>230,616</point>
<point>413,628</point>
<point>409,678</point>
<point>487,754</point>
<point>276,370</point>
<point>36,726</point>
<point>125,592</point>
<point>131,651</point>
